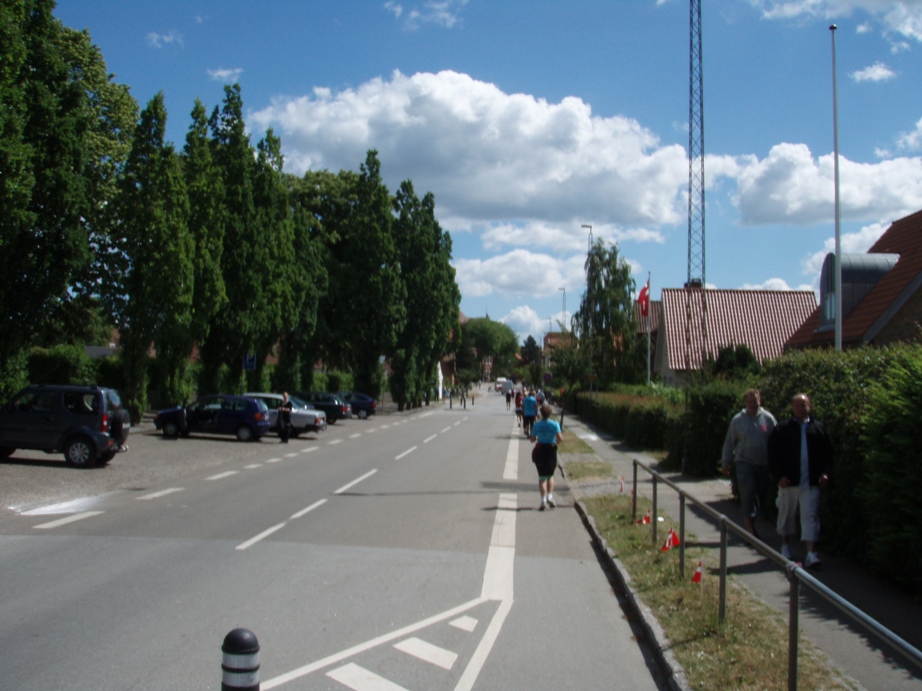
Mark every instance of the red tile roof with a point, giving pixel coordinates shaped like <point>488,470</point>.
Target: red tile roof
<point>760,319</point>
<point>655,317</point>
<point>903,237</point>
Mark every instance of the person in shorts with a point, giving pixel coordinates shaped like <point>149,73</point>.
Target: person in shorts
<point>545,435</point>
<point>529,412</point>
<point>518,407</point>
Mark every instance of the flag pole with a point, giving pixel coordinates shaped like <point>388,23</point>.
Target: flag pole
<point>648,329</point>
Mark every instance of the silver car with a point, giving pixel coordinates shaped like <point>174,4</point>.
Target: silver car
<point>304,418</point>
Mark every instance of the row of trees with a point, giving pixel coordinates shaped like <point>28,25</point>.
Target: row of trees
<point>214,246</point>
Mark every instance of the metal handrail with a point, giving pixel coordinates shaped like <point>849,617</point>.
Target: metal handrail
<point>794,572</point>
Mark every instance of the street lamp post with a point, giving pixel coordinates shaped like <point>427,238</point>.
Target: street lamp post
<point>835,146</point>
<point>564,328</point>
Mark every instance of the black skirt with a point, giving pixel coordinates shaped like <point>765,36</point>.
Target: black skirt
<point>544,456</point>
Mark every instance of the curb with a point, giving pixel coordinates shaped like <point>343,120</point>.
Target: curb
<point>673,672</point>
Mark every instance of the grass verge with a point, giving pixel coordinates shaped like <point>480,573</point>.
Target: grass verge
<point>573,444</point>
<point>747,651</point>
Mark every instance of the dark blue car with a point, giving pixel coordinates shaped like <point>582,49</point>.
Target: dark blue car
<point>247,418</point>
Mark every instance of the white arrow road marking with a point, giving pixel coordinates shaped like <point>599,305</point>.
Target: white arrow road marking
<point>464,623</point>
<point>360,679</point>
<point>65,521</point>
<point>427,652</point>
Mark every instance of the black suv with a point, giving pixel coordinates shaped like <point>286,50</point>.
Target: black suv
<point>87,423</point>
<point>335,407</point>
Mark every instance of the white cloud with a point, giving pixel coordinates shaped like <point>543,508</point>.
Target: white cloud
<point>789,186</point>
<point>394,7</point>
<point>488,155</point>
<point>911,141</point>
<point>155,40</point>
<point>561,238</point>
<point>852,243</point>
<point>878,72</point>
<point>519,272</point>
<point>444,13</point>
<point>774,284</point>
<point>903,17</point>
<point>225,75</point>
<point>525,321</point>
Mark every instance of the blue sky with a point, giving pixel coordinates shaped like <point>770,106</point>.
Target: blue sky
<point>530,119</point>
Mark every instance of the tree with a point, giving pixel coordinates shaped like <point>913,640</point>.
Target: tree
<point>483,338</point>
<point>158,284</point>
<point>606,318</point>
<point>63,134</point>
<point>424,253</point>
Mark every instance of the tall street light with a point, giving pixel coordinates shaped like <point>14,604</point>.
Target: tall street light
<point>564,308</point>
<point>835,146</point>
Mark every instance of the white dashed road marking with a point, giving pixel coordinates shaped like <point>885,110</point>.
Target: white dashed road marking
<point>405,453</point>
<point>427,652</point>
<point>356,481</point>
<point>360,679</point>
<point>161,493</point>
<point>221,476</point>
<point>65,521</point>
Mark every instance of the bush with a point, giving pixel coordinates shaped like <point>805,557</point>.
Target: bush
<point>711,406</point>
<point>14,375</point>
<point>63,364</point>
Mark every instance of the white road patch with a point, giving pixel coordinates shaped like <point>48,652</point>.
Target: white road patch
<point>589,437</point>
<point>273,460</point>
<point>427,652</point>
<point>310,508</point>
<point>262,535</point>
<point>405,453</point>
<point>457,423</point>
<point>447,429</point>
<point>511,471</point>
<point>360,679</point>
<point>429,439</point>
<point>65,521</point>
<point>253,466</point>
<point>355,436</point>
<point>161,493</point>
<point>291,455</point>
<point>335,441</point>
<point>464,623</point>
<point>472,671</point>
<point>309,449</point>
<point>72,506</point>
<point>356,481</point>
<point>221,476</point>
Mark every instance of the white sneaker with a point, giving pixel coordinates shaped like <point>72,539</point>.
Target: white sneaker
<point>813,560</point>
<point>786,551</point>
<point>551,504</point>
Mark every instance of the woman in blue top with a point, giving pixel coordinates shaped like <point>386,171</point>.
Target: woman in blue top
<point>547,433</point>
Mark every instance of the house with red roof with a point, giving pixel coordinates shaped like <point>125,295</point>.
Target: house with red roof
<point>761,319</point>
<point>881,300</point>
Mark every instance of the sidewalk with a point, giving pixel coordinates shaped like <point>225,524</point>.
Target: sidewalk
<point>857,653</point>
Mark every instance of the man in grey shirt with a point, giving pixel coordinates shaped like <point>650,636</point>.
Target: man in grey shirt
<point>746,443</point>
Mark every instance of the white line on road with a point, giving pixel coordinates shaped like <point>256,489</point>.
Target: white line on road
<point>355,436</point>
<point>65,521</point>
<point>464,623</point>
<point>253,466</point>
<point>221,476</point>
<point>309,449</point>
<point>429,439</point>
<point>310,508</point>
<point>161,493</point>
<point>360,679</point>
<point>273,460</point>
<point>291,455</point>
<point>511,471</point>
<point>472,671</point>
<point>263,534</point>
<point>368,645</point>
<point>457,423</point>
<point>405,453</point>
<point>356,481</point>
<point>335,441</point>
<point>427,652</point>
<point>445,430</point>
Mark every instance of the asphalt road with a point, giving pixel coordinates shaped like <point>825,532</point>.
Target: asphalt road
<point>400,552</point>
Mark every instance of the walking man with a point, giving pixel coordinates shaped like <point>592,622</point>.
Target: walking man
<point>284,418</point>
<point>746,444</point>
<point>800,460</point>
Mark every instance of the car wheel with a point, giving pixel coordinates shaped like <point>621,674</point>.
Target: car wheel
<point>244,433</point>
<point>362,414</point>
<point>79,453</point>
<point>170,429</point>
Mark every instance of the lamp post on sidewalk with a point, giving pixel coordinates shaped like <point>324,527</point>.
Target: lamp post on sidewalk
<point>564,318</point>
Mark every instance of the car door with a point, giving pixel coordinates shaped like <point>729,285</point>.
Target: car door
<point>230,415</point>
<point>202,416</point>
<point>26,419</point>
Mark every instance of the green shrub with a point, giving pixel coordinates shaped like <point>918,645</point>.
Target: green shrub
<point>711,406</point>
<point>63,364</point>
<point>14,375</point>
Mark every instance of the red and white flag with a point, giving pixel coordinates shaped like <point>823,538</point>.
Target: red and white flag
<point>645,520</point>
<point>697,577</point>
<point>672,540</point>
<point>644,299</point>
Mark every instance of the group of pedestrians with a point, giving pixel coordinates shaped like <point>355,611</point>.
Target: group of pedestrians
<point>795,454</point>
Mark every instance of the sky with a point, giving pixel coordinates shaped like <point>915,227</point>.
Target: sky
<point>530,120</point>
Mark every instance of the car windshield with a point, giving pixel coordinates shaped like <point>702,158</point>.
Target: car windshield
<point>298,403</point>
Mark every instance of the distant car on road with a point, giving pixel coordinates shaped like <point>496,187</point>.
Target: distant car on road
<point>362,405</point>
<point>304,417</point>
<point>247,418</point>
<point>335,407</point>
<point>87,423</point>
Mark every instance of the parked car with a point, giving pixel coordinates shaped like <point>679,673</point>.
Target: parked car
<point>304,417</point>
<point>87,423</point>
<point>247,418</point>
<point>335,407</point>
<point>362,405</point>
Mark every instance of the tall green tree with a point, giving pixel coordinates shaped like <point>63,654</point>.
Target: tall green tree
<point>62,138</point>
<point>532,359</point>
<point>241,325</point>
<point>205,189</point>
<point>483,338</point>
<point>606,317</point>
<point>424,253</point>
<point>158,284</point>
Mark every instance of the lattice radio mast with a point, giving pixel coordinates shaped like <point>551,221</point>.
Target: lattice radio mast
<point>696,264</point>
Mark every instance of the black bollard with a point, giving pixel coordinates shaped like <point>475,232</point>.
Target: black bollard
<point>240,665</point>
